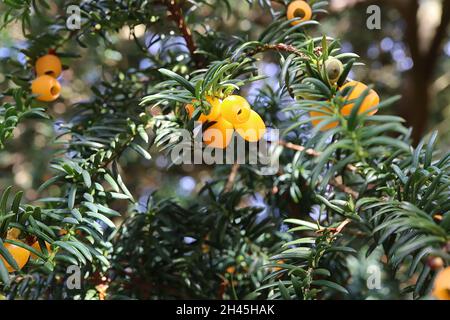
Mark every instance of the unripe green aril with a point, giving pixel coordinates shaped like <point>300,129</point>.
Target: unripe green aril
<point>334,69</point>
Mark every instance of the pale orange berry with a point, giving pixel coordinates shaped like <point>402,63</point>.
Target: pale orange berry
<point>13,233</point>
<point>441,289</point>
<point>19,254</point>
<point>316,122</point>
<point>219,134</point>
<point>235,109</point>
<point>38,248</point>
<point>371,100</point>
<point>190,109</point>
<point>46,88</point>
<point>253,129</point>
<point>214,113</point>
<point>49,64</point>
<point>231,270</point>
<point>278,268</point>
<point>299,9</point>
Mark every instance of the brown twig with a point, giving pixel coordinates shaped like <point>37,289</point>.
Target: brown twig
<point>338,229</point>
<point>335,182</point>
<point>297,147</point>
<point>308,151</point>
<point>342,225</point>
<point>283,47</point>
<point>232,177</point>
<point>176,14</point>
<point>277,47</point>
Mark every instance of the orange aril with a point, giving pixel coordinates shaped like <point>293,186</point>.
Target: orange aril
<point>38,248</point>
<point>441,289</point>
<point>19,254</point>
<point>13,233</point>
<point>46,88</point>
<point>214,113</point>
<point>357,88</point>
<point>316,122</point>
<point>235,109</point>
<point>253,129</point>
<point>219,134</point>
<point>49,65</point>
<point>299,9</point>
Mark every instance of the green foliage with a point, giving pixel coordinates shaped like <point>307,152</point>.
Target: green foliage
<point>168,251</point>
<point>11,114</point>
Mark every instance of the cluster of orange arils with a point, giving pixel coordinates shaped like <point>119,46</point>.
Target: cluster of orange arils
<point>19,254</point>
<point>45,86</point>
<point>232,113</point>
